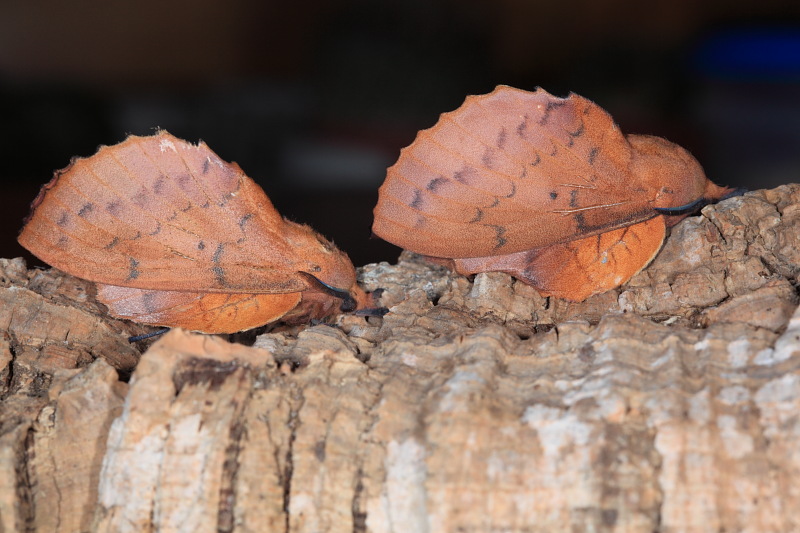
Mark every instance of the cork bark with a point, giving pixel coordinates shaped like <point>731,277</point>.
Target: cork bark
<point>670,404</point>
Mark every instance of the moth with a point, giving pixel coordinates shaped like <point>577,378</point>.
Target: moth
<point>174,236</point>
<point>546,189</point>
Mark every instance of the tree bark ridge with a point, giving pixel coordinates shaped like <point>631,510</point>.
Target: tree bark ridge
<point>669,404</point>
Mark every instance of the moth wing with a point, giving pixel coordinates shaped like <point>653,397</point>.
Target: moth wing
<point>197,311</point>
<point>581,268</point>
<point>510,171</point>
<point>158,212</point>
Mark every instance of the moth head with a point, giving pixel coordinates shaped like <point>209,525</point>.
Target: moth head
<point>327,270</point>
<point>669,173</point>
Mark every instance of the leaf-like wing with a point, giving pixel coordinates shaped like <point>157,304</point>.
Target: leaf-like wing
<point>160,213</point>
<point>198,311</point>
<point>510,171</point>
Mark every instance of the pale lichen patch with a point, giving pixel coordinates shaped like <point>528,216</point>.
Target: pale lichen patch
<point>739,352</point>
<point>556,429</point>
<point>737,443</point>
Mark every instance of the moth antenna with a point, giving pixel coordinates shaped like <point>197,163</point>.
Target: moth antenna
<point>699,203</point>
<point>682,209</point>
<point>348,302</point>
<point>137,338</point>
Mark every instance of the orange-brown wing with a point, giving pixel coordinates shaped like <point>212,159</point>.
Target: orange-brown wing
<point>197,311</point>
<point>160,213</point>
<point>510,171</point>
<point>578,269</point>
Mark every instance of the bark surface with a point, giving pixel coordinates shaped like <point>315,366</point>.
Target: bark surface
<point>670,404</point>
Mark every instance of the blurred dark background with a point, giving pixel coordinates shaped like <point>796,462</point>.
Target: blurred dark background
<point>315,99</point>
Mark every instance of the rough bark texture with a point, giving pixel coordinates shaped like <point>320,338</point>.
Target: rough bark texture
<point>670,404</point>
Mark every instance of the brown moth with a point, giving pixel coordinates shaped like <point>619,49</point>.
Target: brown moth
<point>546,189</point>
<point>175,236</point>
